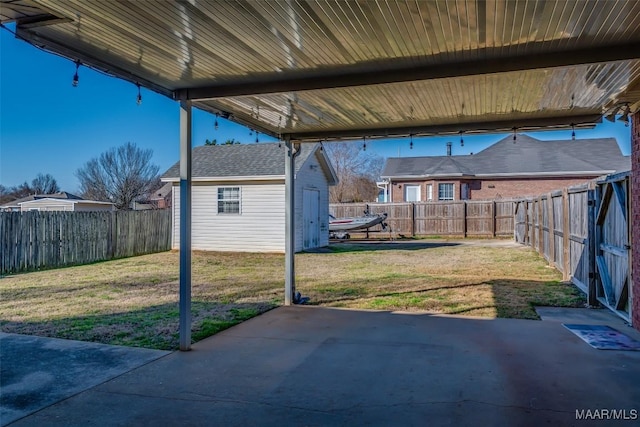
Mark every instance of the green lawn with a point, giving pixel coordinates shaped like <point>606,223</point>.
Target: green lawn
<point>134,301</point>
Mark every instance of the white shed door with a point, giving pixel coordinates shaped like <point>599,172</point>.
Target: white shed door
<point>311,215</point>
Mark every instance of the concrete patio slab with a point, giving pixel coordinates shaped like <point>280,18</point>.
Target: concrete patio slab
<point>37,372</point>
<point>317,366</point>
<point>587,316</point>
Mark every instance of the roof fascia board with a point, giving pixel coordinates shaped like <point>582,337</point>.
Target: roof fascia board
<point>557,174</point>
<point>228,178</point>
<point>327,166</point>
<point>414,177</point>
<point>65,201</point>
<point>504,126</point>
<point>355,76</point>
<point>46,200</point>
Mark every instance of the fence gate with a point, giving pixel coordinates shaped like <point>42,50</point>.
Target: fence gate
<point>612,245</point>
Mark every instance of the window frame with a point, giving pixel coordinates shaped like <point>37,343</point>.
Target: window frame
<point>418,187</point>
<point>465,191</point>
<point>224,200</point>
<point>429,191</point>
<point>442,185</point>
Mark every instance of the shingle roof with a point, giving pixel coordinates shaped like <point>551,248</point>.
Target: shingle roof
<point>266,159</point>
<point>161,192</point>
<point>526,156</point>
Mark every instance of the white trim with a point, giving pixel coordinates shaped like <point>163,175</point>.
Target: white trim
<point>546,174</point>
<point>229,178</point>
<point>559,174</point>
<point>218,200</point>
<point>417,188</point>
<point>457,175</point>
<point>332,179</point>
<point>73,202</point>
<point>453,192</point>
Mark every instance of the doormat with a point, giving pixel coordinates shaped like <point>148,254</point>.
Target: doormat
<point>604,337</point>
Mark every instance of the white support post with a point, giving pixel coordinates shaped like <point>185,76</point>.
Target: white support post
<point>290,236</point>
<point>185,225</point>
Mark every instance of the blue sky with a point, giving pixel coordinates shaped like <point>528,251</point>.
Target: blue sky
<point>49,126</point>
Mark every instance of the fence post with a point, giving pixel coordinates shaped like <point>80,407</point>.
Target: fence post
<point>540,239</point>
<point>552,231</point>
<point>412,214</point>
<point>593,233</point>
<point>114,234</point>
<point>493,219</point>
<point>464,218</point>
<point>519,206</point>
<point>566,242</point>
<point>534,238</point>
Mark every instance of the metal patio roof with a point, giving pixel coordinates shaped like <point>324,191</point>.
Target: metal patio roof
<point>327,69</point>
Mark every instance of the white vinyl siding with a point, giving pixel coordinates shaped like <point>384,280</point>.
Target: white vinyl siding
<point>260,228</point>
<point>261,225</point>
<point>445,191</point>
<point>312,177</point>
<point>65,205</point>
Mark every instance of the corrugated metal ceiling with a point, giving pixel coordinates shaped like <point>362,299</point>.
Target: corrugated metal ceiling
<point>318,69</point>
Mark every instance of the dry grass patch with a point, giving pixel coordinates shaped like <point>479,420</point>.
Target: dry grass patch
<point>501,281</point>
<point>134,301</point>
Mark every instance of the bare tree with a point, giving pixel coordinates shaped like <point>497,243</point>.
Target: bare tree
<point>357,172</point>
<point>120,175</point>
<point>18,191</point>
<point>5,194</point>
<point>44,184</point>
<point>41,184</point>
<point>8,194</point>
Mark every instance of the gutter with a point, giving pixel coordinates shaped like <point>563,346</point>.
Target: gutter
<point>228,178</point>
<point>504,175</point>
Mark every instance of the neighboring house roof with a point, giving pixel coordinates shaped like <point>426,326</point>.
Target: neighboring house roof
<point>64,201</point>
<point>242,161</point>
<point>526,156</point>
<point>61,195</point>
<point>161,192</point>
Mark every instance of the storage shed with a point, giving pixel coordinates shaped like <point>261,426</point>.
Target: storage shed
<point>238,198</point>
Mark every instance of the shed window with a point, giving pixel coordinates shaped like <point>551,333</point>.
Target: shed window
<point>229,200</point>
<point>445,191</point>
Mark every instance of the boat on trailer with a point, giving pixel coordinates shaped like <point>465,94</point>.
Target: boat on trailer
<point>339,227</point>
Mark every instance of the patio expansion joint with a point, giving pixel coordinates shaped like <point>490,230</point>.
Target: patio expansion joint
<point>249,337</point>
<point>214,399</point>
<point>449,402</point>
<point>197,397</point>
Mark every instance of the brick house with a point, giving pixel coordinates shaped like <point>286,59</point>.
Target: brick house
<point>526,167</point>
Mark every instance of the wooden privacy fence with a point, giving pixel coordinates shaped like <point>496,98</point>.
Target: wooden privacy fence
<point>460,218</point>
<point>38,240</point>
<point>584,232</point>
